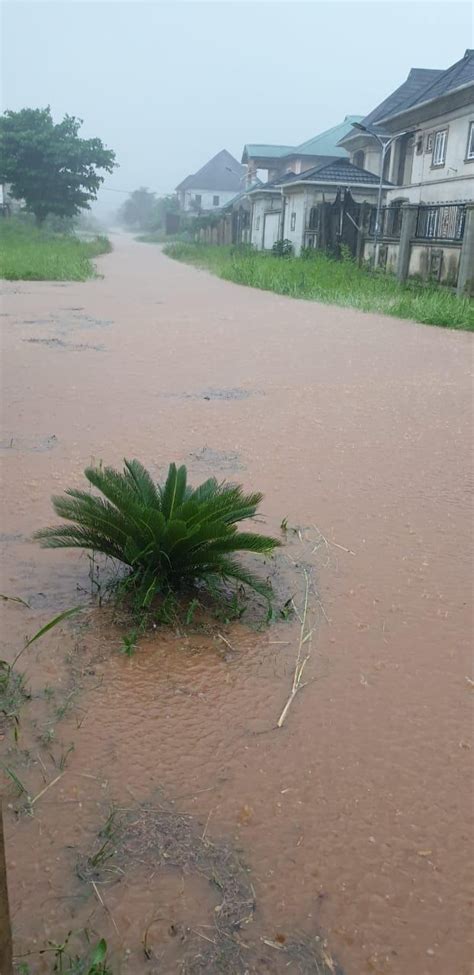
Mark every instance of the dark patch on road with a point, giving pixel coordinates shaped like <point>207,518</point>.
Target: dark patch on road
<point>221,459</point>
<point>70,346</point>
<point>222,395</point>
<point>17,443</point>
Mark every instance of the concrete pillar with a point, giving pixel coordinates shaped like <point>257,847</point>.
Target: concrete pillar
<point>409,216</point>
<point>466,261</point>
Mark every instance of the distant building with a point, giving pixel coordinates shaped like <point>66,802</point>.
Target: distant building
<point>276,161</point>
<point>214,185</point>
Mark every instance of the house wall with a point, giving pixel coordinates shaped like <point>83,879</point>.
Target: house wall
<point>422,182</point>
<point>296,204</point>
<point>300,201</point>
<point>262,205</point>
<point>372,155</point>
<point>452,181</point>
<point>188,196</point>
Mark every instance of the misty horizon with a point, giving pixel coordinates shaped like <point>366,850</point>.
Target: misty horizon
<point>167,86</point>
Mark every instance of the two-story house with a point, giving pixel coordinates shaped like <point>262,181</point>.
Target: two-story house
<point>214,185</point>
<point>429,121</point>
<point>279,162</point>
<point>273,161</point>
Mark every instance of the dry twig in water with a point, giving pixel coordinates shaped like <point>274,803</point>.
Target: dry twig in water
<point>305,637</point>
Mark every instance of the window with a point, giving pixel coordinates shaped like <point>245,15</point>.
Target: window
<point>429,142</point>
<point>470,142</point>
<point>293,221</point>
<point>197,199</point>
<point>439,148</point>
<point>358,158</point>
<point>215,201</point>
<point>257,223</point>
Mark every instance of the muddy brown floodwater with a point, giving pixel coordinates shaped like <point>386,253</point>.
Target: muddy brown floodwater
<point>353,820</point>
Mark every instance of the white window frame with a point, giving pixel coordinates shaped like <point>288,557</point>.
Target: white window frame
<point>293,221</point>
<point>440,140</point>
<point>470,142</point>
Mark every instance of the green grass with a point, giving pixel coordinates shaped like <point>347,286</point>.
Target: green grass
<point>321,278</point>
<point>30,254</point>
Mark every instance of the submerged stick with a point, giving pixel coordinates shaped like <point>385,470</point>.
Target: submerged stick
<point>305,637</point>
<point>58,777</point>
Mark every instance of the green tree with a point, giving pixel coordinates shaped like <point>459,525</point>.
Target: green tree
<point>143,210</point>
<point>49,165</point>
<point>138,210</point>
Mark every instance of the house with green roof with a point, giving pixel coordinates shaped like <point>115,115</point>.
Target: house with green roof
<point>276,160</point>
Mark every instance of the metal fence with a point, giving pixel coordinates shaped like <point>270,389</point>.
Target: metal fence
<point>390,223</point>
<point>444,222</point>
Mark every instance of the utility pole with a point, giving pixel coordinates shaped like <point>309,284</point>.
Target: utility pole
<point>384,142</point>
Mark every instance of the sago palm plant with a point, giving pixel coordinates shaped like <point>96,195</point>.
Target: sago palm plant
<point>170,536</point>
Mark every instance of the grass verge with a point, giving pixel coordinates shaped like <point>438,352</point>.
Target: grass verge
<point>30,254</point>
<point>321,278</point>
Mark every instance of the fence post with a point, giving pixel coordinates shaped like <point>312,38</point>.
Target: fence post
<point>6,963</point>
<point>409,216</point>
<point>466,261</point>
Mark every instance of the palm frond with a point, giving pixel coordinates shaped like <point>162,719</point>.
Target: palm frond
<point>170,534</point>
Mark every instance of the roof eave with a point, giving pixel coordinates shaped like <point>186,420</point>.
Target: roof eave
<point>429,101</point>
<point>337,183</point>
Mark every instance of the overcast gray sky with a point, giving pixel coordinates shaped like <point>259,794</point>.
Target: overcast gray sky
<point>167,85</point>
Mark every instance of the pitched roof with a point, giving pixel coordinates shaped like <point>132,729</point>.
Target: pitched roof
<point>222,172</point>
<point>326,144</point>
<point>240,196</point>
<point>252,149</point>
<point>323,144</point>
<point>339,171</point>
<point>417,81</point>
<point>424,85</point>
<point>456,76</point>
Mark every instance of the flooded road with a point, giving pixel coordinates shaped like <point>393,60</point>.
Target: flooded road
<point>354,819</point>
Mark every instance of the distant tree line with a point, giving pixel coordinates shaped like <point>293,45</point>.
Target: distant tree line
<point>144,210</point>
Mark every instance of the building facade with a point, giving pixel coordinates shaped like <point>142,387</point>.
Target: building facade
<point>213,186</point>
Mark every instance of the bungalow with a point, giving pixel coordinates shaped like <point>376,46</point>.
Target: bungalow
<point>321,207</point>
<point>213,185</point>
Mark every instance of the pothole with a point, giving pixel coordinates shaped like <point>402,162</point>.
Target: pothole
<point>216,459</point>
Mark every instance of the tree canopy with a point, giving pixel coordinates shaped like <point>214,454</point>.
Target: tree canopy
<point>49,165</point>
<point>143,210</point>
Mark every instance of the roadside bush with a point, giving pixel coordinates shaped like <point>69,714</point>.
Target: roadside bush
<point>283,248</point>
<point>170,536</point>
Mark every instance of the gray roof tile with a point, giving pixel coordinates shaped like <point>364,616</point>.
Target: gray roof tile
<point>222,172</point>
